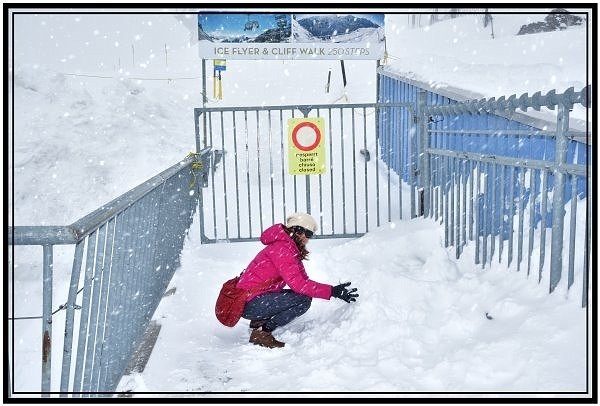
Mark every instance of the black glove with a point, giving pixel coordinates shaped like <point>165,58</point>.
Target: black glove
<point>341,292</point>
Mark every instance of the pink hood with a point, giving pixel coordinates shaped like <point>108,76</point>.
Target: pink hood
<point>279,262</point>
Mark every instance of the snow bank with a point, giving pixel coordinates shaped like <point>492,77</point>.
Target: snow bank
<point>424,322</point>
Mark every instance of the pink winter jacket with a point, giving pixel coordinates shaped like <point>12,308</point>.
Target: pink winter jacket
<point>280,261</point>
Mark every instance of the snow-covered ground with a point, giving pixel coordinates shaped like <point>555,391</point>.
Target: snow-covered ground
<point>92,120</point>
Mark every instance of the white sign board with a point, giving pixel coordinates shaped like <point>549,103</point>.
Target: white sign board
<point>291,36</point>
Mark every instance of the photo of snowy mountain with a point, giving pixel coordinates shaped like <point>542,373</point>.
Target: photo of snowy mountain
<point>244,28</point>
<point>336,28</point>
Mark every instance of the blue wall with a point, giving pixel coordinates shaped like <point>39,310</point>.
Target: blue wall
<point>394,126</point>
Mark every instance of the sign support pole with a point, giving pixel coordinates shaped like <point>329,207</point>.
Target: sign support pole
<point>343,73</point>
<point>203,82</point>
<point>307,193</point>
<point>204,99</point>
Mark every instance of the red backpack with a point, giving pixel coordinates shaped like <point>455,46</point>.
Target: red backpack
<point>231,301</point>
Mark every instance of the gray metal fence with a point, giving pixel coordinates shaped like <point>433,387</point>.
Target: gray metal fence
<point>128,250</point>
<point>484,189</point>
<point>250,187</point>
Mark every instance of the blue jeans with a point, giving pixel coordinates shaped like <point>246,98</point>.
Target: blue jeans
<point>279,308</point>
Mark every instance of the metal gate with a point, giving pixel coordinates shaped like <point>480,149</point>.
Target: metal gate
<point>249,186</point>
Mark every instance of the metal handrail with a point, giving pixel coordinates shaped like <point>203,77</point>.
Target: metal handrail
<point>76,232</point>
<point>152,208</point>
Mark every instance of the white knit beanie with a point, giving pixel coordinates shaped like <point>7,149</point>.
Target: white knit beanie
<point>302,220</point>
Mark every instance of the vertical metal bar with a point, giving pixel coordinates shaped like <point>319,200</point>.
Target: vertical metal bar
<point>484,213</point>
<point>106,274</point>
<point>295,177</point>
<point>47,319</point>
<point>212,184</point>
<point>248,175</point>
<point>112,327</point>
<point>532,199</point>
<point>136,306</point>
<point>120,333</point>
<point>472,173</point>
<point>389,161</point>
<point>502,211</point>
<point>412,164</point>
<point>197,113</point>
<point>451,201</point>
<point>424,146</point>
<point>70,318</point>
<point>434,191</point>
<point>237,184</point>
<point>148,271</point>
<point>511,215</point>
<point>259,177</point>
<point>365,170</point>
<point>131,310</point>
<point>572,230</point>
<point>321,191</point>
<point>463,175</point>
<point>588,233</point>
<point>446,199</point>
<point>144,274</point>
<point>307,192</point>
<point>282,163</point>
<point>493,213</point>
<point>442,189</point>
<point>476,205</point>
<point>435,187</point>
<point>401,163</point>
<point>354,169</point>
<point>127,310</point>
<point>456,176</point>
<point>93,323</point>
<point>307,197</point>
<point>200,205</point>
<point>271,173</point>
<point>343,170</point>
<point>521,218</point>
<point>379,119</point>
<point>544,192</point>
<point>435,172</point>
<point>330,154</point>
<point>403,149</point>
<point>204,97</point>
<point>164,210</point>
<point>120,326</point>
<point>106,354</point>
<point>558,197</point>
<point>379,80</point>
<point>223,158</point>
<point>85,311</point>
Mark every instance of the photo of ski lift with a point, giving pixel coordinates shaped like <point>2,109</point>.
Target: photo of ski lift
<point>251,25</point>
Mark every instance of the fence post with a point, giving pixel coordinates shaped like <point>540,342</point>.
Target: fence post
<point>47,320</point>
<point>423,137</point>
<point>558,199</point>
<point>69,318</point>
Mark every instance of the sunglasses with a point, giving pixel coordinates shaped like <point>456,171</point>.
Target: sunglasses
<point>302,230</point>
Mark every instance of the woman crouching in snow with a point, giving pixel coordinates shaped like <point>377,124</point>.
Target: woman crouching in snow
<point>281,263</point>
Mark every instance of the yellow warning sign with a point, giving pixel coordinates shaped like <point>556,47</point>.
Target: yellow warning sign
<point>306,146</point>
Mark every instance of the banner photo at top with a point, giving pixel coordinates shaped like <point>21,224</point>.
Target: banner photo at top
<point>291,36</point>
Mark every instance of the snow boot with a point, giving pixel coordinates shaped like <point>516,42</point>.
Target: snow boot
<point>264,339</point>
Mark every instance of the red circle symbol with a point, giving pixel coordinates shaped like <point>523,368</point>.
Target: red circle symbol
<point>315,131</point>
